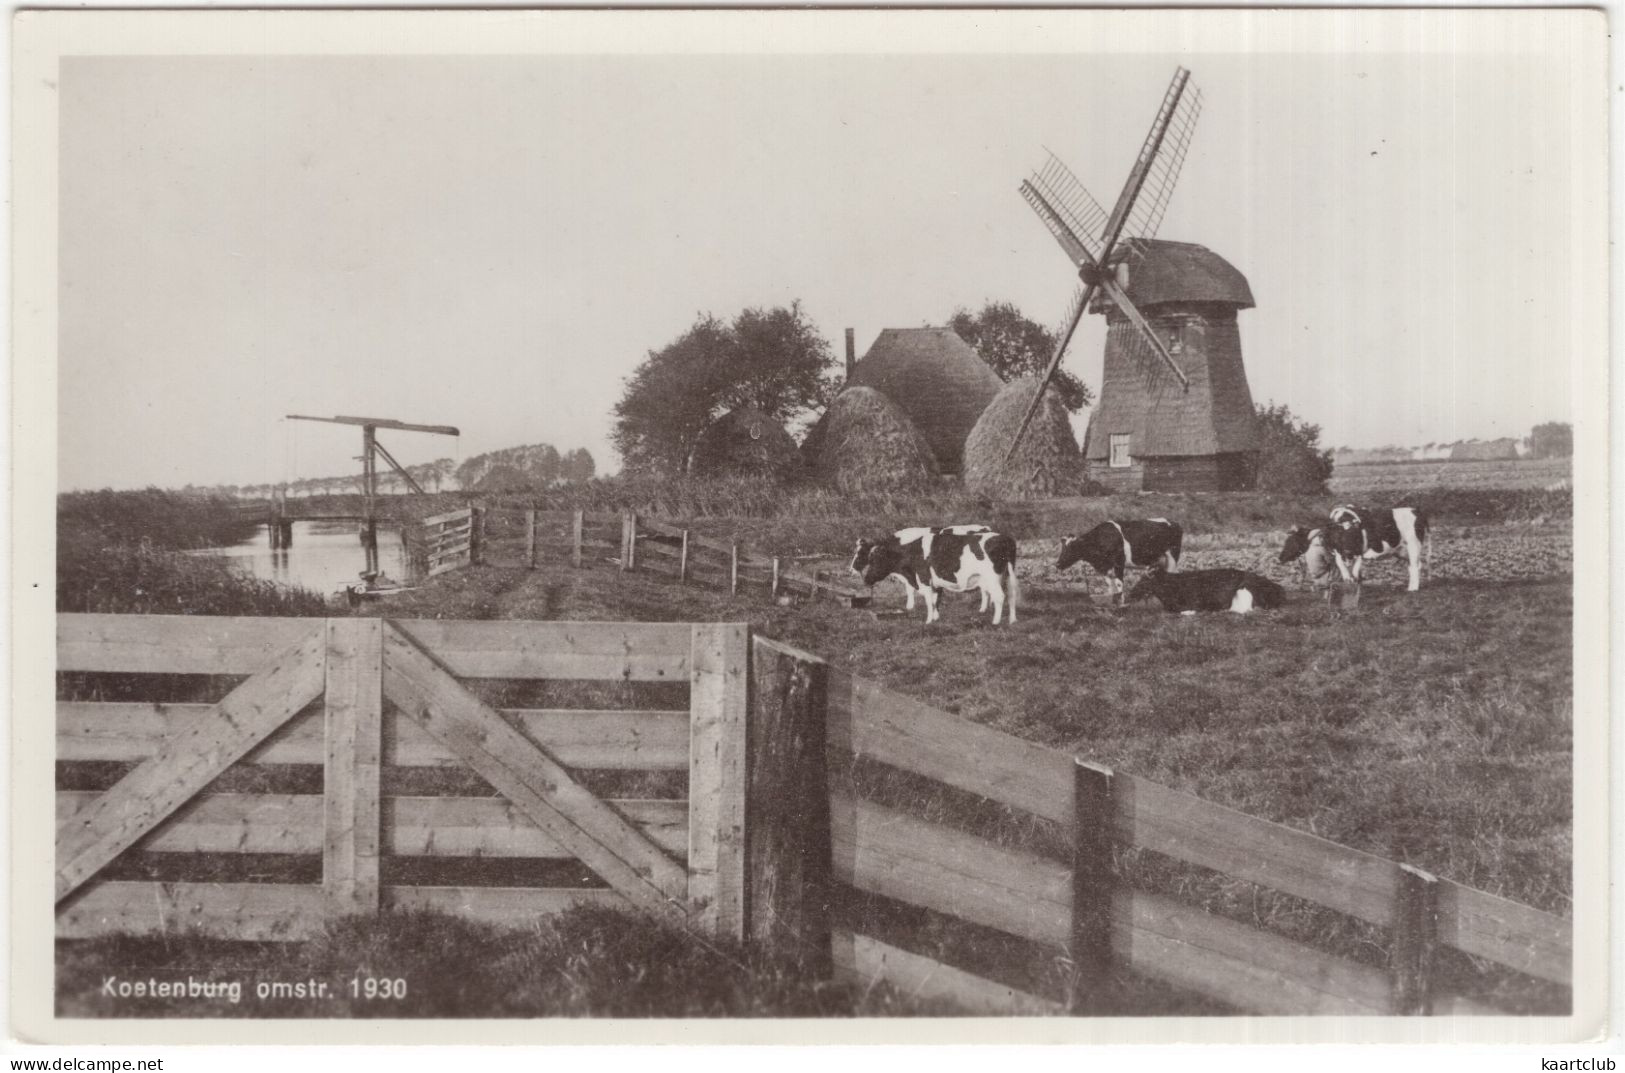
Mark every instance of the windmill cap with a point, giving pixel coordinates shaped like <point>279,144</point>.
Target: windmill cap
<point>1162,272</point>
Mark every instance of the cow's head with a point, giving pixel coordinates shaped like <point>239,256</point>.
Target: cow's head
<point>860,555</point>
<point>1071,551</point>
<point>884,559</point>
<point>1297,542</point>
<point>1148,586</point>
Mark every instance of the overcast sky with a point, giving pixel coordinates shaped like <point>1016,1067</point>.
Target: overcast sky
<point>495,243</point>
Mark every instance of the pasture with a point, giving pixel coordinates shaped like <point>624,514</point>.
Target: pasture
<point>1431,728</point>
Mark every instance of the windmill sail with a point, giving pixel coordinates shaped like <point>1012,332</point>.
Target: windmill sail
<point>1059,191</point>
<point>1163,174</point>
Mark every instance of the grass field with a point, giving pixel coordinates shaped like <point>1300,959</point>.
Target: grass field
<point>1431,728</point>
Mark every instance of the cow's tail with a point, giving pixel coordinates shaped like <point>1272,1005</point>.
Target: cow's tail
<point>1176,550</point>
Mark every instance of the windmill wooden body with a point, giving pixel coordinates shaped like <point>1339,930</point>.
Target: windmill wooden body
<point>1175,412</point>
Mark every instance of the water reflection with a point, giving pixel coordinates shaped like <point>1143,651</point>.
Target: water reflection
<point>325,556</point>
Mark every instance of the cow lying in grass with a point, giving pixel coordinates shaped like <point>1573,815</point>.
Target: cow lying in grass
<point>942,559</point>
<point>1209,590</point>
<point>1357,534</point>
<point>1112,547</point>
<point>913,534</point>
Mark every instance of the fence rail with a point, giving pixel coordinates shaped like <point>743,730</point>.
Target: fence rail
<point>762,723</point>
<point>1028,895</point>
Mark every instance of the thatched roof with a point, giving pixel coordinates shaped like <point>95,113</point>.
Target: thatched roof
<point>1160,272</point>
<point>864,442</point>
<point>745,441</point>
<point>1047,462</point>
<point>937,379</point>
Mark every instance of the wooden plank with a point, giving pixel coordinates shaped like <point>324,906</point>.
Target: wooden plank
<point>1231,962</point>
<point>1094,880</point>
<point>354,707</point>
<point>250,912</point>
<point>718,709</point>
<point>514,907</point>
<point>1507,932</point>
<point>631,651</point>
<point>864,960</point>
<point>649,525</point>
<point>891,853</point>
<point>411,827</point>
<point>189,761</point>
<point>881,725</point>
<point>788,882</point>
<point>1459,1006</point>
<point>449,516</point>
<point>526,775</point>
<point>1415,938</point>
<point>1292,861</point>
<point>174,644</point>
<point>643,740</point>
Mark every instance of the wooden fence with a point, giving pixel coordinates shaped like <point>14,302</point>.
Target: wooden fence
<point>692,558</point>
<point>443,542</point>
<point>584,539</point>
<point>758,849</point>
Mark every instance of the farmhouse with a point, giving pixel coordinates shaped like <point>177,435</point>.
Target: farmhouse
<point>744,441</point>
<point>1149,432</point>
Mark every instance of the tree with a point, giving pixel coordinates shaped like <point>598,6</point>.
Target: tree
<point>1015,347</point>
<point>1290,458</point>
<point>1554,439</point>
<point>578,465</point>
<point>773,359</point>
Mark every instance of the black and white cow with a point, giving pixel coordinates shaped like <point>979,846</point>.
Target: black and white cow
<point>1209,590</point>
<point>1357,534</point>
<point>911,535</point>
<point>954,562</point>
<point>1112,547</point>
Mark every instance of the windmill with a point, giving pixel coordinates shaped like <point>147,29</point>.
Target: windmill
<point>1170,392</point>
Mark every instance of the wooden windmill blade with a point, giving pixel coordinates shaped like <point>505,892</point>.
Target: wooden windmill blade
<point>1158,163</point>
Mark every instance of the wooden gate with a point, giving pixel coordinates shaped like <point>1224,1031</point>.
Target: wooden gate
<point>357,695</point>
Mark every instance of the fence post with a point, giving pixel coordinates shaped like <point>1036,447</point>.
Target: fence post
<point>733,569</point>
<point>682,560</point>
<point>719,685</point>
<point>631,540</point>
<point>354,721</point>
<point>575,539</point>
<point>787,822</point>
<point>775,582</point>
<point>476,521</point>
<point>1416,937</point>
<point>1094,809</point>
<point>530,537</point>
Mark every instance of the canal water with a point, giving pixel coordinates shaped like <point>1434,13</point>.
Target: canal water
<point>325,557</point>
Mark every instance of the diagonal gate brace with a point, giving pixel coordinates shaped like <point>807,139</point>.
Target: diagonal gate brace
<point>540,786</point>
<point>188,761</point>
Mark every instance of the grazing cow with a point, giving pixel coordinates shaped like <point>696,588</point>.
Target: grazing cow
<point>1209,590</point>
<point>1357,534</point>
<point>914,534</point>
<point>1112,547</point>
<point>949,561</point>
<point>1311,546</point>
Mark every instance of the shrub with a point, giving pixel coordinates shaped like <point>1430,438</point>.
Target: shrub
<point>1290,458</point>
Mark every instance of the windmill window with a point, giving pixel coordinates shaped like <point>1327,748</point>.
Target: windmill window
<point>1119,444</point>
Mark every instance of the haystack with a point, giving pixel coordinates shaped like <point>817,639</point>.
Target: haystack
<point>938,381</point>
<point>745,442</point>
<point>864,442</point>
<point>1048,461</point>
